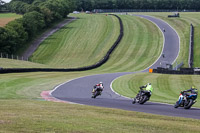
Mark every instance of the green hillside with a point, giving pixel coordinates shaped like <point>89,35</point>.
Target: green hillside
<point>81,43</point>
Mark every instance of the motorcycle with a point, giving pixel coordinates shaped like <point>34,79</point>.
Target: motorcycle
<point>142,97</point>
<point>96,93</point>
<point>186,100</point>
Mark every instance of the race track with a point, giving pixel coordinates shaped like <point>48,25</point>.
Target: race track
<point>79,90</point>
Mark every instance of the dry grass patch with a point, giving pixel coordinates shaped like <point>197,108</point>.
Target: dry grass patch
<point>7,17</point>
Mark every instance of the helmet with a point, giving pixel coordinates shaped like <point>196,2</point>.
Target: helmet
<point>148,83</point>
<point>100,82</point>
<point>193,87</point>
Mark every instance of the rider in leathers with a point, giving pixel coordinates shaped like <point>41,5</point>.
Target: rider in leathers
<point>98,87</point>
<point>192,90</point>
<point>148,87</point>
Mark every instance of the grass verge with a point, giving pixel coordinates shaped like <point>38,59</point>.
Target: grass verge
<point>41,116</point>
<point>166,87</point>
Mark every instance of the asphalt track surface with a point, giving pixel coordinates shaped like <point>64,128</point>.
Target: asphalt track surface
<point>79,90</point>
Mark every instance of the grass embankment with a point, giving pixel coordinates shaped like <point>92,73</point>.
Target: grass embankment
<point>22,110</point>
<point>138,49</point>
<point>182,26</point>
<point>166,87</point>
<point>37,116</point>
<point>7,17</point>
<point>81,43</point>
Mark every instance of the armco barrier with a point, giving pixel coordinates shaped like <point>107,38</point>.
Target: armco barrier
<point>191,46</point>
<point>181,71</point>
<point>101,62</point>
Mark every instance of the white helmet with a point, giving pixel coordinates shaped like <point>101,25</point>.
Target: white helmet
<point>100,82</point>
<point>149,84</point>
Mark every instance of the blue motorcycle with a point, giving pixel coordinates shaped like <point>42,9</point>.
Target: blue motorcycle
<point>186,100</point>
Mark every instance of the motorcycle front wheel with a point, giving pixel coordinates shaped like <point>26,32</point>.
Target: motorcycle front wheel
<point>134,101</point>
<point>176,104</point>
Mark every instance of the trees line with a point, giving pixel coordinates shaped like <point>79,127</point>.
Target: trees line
<point>138,4</point>
<point>37,15</point>
<point>40,14</point>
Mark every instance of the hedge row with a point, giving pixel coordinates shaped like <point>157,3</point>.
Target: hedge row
<point>101,62</point>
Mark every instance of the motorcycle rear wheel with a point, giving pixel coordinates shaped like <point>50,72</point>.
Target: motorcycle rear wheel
<point>143,100</point>
<point>189,105</point>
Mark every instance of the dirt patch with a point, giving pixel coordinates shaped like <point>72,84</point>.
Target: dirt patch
<point>4,122</point>
<point>46,95</point>
<point>4,21</point>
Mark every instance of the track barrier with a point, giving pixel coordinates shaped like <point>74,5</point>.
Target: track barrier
<point>191,47</point>
<point>188,71</point>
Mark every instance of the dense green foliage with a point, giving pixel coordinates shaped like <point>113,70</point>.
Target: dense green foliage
<point>38,14</point>
<point>138,4</point>
<point>3,6</point>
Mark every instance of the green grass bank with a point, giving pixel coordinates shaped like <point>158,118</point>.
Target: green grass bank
<point>166,87</point>
<point>41,116</point>
<point>81,43</point>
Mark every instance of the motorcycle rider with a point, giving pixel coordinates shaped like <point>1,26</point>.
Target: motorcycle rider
<point>192,90</point>
<point>148,90</point>
<point>98,87</point>
<point>148,87</point>
<point>163,29</point>
<point>183,96</point>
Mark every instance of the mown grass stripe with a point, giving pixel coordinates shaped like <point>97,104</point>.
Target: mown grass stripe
<point>166,87</point>
<point>130,55</point>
